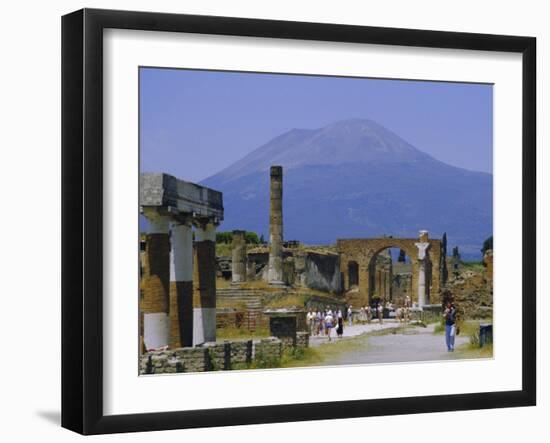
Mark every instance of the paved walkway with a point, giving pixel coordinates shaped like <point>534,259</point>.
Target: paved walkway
<point>355,330</point>
<point>416,344</point>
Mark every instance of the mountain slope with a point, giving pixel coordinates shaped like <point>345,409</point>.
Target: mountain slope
<point>355,178</point>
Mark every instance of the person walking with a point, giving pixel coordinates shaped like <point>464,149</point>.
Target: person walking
<point>368,311</point>
<point>310,321</point>
<point>340,326</point>
<point>380,310</point>
<point>450,326</point>
<point>329,323</point>
<point>350,315</point>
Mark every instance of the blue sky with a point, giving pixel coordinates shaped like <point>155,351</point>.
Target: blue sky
<point>195,123</point>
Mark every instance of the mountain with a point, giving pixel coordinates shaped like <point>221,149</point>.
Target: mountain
<point>355,178</point>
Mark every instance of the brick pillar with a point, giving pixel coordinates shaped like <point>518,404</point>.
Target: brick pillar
<point>204,282</point>
<point>181,285</point>
<point>155,285</point>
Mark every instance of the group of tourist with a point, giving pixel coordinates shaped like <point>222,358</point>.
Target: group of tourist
<point>367,313</point>
<point>323,321</point>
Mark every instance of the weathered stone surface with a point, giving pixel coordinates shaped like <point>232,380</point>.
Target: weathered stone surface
<point>214,356</point>
<point>239,259</point>
<point>275,266</point>
<point>177,196</point>
<point>364,250</point>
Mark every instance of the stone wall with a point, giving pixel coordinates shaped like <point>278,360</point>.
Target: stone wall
<point>322,272</point>
<point>176,360</point>
<point>302,340</point>
<point>303,268</point>
<point>217,356</point>
<point>240,319</point>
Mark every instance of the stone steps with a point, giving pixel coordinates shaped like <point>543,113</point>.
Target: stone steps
<point>251,298</point>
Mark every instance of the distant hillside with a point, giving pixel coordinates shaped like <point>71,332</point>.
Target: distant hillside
<point>355,178</point>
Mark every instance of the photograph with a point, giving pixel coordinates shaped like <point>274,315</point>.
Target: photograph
<point>292,220</point>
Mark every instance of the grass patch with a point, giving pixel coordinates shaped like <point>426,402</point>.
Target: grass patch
<point>473,265</point>
<point>299,299</point>
<point>317,355</point>
<point>467,327</point>
<point>233,332</point>
<point>286,301</point>
<point>470,350</point>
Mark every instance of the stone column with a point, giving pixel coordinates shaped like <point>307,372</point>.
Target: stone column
<point>204,280</point>
<point>250,270</point>
<point>181,284</point>
<point>155,286</point>
<point>275,267</point>
<point>238,259</point>
<point>422,246</point>
<point>388,285</point>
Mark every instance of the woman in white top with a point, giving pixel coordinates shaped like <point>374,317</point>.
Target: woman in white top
<point>329,323</point>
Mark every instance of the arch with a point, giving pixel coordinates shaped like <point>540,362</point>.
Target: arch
<point>364,250</point>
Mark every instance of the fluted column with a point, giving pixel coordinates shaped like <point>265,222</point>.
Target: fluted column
<point>275,266</point>
<point>204,281</point>
<point>155,286</point>
<point>181,284</point>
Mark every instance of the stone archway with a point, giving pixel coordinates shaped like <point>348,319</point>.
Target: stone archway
<point>425,260</point>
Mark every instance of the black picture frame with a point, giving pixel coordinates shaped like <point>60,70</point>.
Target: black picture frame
<point>82,215</point>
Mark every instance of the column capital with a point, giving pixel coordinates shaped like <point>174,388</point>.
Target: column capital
<point>422,247</point>
<point>158,222</point>
<point>205,231</point>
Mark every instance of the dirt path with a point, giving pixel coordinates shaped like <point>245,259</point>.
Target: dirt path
<point>418,344</point>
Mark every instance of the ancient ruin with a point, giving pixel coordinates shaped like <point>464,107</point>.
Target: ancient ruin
<point>358,260</point>
<point>179,312</point>
<point>178,288</point>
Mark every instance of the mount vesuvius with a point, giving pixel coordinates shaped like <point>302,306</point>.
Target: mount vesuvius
<point>355,178</point>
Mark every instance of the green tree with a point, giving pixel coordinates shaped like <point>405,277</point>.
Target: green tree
<point>251,238</point>
<point>224,237</point>
<point>487,244</point>
<point>456,254</point>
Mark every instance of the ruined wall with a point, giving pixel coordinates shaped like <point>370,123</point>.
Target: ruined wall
<point>308,269</point>
<point>322,272</point>
<point>363,251</point>
<point>401,287</point>
<point>215,356</point>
